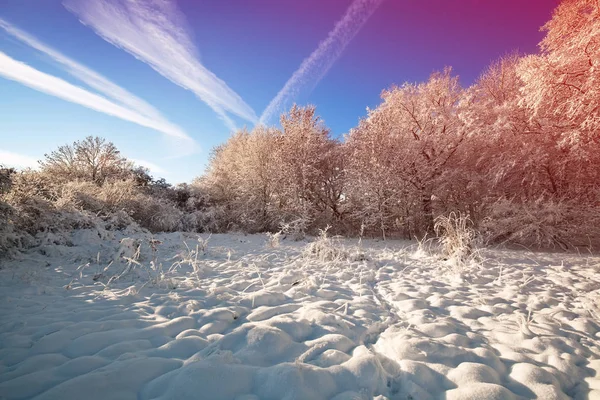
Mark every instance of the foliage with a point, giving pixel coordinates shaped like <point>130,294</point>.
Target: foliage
<point>518,152</point>
<point>92,160</point>
<point>555,224</point>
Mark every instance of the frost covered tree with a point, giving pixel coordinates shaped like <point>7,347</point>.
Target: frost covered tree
<point>562,85</point>
<point>507,151</point>
<point>523,137</point>
<point>404,147</point>
<point>310,173</point>
<point>92,159</point>
<point>241,176</point>
<point>561,91</point>
<point>269,176</point>
<point>375,185</point>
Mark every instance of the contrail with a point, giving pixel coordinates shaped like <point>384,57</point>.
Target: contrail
<point>314,68</point>
<point>43,82</point>
<point>112,91</point>
<point>81,72</point>
<point>154,31</point>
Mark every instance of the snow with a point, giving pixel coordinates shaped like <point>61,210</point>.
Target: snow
<point>91,317</point>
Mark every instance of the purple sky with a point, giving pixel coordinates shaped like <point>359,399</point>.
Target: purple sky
<point>252,47</point>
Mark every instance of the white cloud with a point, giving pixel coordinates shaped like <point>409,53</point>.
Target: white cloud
<point>15,160</point>
<point>28,76</point>
<point>155,169</point>
<point>315,66</point>
<point>154,31</point>
<point>152,117</point>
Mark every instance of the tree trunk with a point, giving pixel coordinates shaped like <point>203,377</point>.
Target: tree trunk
<point>427,208</point>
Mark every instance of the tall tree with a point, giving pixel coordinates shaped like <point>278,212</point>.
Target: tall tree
<point>412,136</point>
<point>562,85</point>
<point>309,166</point>
<point>561,88</point>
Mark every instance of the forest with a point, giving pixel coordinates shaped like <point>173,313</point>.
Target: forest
<point>515,156</point>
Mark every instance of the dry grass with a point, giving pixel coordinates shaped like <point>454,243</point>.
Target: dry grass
<point>457,236</point>
<point>325,248</point>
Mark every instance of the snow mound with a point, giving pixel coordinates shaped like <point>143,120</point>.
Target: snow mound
<point>129,315</point>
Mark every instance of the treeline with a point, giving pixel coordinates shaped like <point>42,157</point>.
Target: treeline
<point>90,185</point>
<point>517,152</point>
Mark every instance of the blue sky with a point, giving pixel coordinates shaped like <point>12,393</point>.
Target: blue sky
<point>207,66</point>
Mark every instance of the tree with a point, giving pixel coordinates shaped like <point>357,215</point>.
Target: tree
<point>562,85</point>
<point>507,148</point>
<point>62,163</point>
<point>408,141</point>
<point>561,88</point>
<point>241,176</point>
<point>141,176</point>
<point>375,185</point>
<point>268,176</point>
<point>92,159</point>
<point>310,173</point>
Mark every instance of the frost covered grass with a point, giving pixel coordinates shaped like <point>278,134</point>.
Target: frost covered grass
<point>457,236</point>
<point>178,315</point>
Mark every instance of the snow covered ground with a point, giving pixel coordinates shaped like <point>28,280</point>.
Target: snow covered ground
<point>234,317</point>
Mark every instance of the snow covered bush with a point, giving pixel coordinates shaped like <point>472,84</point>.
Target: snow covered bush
<point>325,248</point>
<point>38,206</point>
<point>79,195</point>
<point>31,197</point>
<point>5,178</point>
<point>117,197</point>
<point>10,238</point>
<point>548,223</point>
<point>156,215</point>
<point>295,229</point>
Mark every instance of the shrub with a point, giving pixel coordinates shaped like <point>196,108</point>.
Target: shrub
<point>10,238</point>
<point>565,224</point>
<point>457,236</point>
<point>5,179</point>
<point>324,248</point>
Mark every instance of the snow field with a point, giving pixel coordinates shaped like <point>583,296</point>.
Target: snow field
<point>88,317</point>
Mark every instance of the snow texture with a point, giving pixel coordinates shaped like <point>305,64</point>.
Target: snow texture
<point>235,318</point>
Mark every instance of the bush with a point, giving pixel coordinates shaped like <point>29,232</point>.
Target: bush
<point>5,179</point>
<point>10,239</point>
<point>565,224</point>
<point>30,199</point>
<point>35,204</point>
<point>324,248</point>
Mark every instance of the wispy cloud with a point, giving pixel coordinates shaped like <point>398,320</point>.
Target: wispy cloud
<point>139,110</point>
<point>15,160</point>
<point>38,80</point>
<point>155,32</point>
<point>315,66</point>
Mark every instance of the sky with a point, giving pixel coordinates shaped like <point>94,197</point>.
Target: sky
<point>168,80</point>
